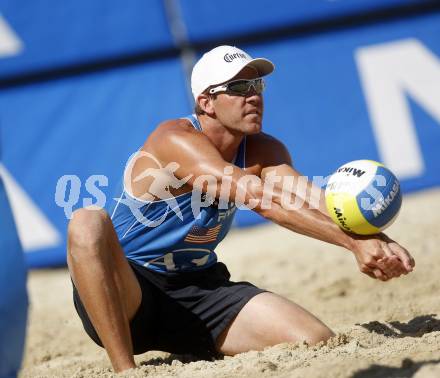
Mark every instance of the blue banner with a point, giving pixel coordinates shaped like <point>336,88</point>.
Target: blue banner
<point>206,20</point>
<point>83,128</point>
<point>357,93</point>
<point>317,101</point>
<point>40,35</point>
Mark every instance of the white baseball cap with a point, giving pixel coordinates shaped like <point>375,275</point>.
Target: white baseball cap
<point>222,64</point>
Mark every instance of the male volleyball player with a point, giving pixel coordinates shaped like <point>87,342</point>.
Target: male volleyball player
<point>156,284</point>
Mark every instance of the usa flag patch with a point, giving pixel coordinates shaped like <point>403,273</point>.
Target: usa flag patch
<point>201,235</point>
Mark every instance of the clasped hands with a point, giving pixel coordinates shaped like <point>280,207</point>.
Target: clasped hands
<point>380,257</point>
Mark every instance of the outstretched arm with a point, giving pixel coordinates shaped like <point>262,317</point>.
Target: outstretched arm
<point>377,256</point>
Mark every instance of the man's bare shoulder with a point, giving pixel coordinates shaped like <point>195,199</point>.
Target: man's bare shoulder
<point>172,127</point>
<point>170,131</point>
<point>266,150</point>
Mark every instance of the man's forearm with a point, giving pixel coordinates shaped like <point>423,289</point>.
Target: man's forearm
<point>309,222</point>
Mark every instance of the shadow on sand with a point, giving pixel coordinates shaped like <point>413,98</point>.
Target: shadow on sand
<point>406,370</point>
<point>416,327</point>
<point>183,358</point>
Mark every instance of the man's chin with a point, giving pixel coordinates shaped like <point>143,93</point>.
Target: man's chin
<point>253,128</point>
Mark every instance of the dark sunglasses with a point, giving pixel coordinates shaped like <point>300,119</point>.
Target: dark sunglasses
<point>240,87</point>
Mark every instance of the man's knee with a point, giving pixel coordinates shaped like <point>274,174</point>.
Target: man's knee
<point>320,334</point>
<point>87,228</point>
<point>312,333</point>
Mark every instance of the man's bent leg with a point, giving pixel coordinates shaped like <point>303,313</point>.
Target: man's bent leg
<point>105,282</point>
<point>269,319</point>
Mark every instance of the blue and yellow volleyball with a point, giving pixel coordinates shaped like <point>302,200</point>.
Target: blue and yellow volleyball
<point>363,197</point>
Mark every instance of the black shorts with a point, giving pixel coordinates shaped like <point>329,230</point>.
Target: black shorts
<point>181,313</point>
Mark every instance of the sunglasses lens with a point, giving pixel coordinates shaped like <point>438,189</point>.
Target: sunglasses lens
<point>243,86</point>
<point>259,85</point>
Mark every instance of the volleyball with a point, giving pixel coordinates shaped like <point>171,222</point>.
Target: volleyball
<point>363,197</point>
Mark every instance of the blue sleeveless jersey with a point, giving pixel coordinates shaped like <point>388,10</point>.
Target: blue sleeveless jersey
<point>168,237</point>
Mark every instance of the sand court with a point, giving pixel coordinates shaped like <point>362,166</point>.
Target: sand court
<point>389,329</point>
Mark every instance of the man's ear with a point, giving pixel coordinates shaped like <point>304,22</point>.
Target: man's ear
<point>206,104</point>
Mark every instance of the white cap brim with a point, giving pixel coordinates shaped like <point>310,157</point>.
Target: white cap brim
<point>262,65</point>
